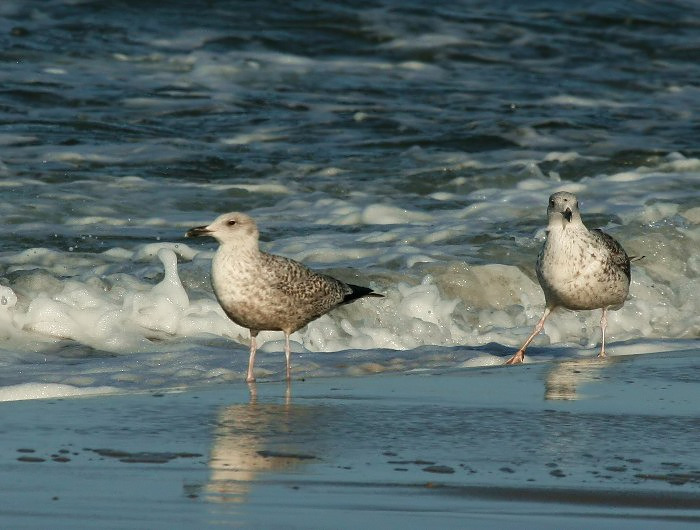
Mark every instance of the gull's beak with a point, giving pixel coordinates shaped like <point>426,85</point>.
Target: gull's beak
<point>198,231</point>
<point>567,214</point>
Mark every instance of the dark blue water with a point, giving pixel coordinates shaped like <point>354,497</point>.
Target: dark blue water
<point>496,80</point>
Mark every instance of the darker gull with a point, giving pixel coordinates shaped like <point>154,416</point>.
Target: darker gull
<point>261,291</point>
<point>578,268</point>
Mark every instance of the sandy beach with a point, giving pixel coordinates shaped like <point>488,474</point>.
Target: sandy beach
<point>572,444</point>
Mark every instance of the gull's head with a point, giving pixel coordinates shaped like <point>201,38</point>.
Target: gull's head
<point>563,209</point>
<point>235,227</point>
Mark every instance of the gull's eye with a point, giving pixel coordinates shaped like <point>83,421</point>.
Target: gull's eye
<point>231,222</point>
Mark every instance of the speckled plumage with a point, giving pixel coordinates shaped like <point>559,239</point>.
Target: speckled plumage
<point>578,269</point>
<point>261,291</point>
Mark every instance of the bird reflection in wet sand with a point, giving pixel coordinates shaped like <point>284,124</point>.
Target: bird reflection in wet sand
<point>252,439</point>
<point>564,379</point>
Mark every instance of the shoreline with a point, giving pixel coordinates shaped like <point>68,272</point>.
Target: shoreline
<point>572,443</point>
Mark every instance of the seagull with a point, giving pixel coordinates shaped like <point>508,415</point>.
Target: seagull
<point>578,269</point>
<point>262,291</point>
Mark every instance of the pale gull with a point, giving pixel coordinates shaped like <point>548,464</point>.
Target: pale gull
<point>261,291</point>
<point>578,268</point>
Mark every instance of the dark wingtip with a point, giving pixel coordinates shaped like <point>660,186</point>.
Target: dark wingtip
<point>360,292</point>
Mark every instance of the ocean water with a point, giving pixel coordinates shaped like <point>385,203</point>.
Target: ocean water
<point>400,145</point>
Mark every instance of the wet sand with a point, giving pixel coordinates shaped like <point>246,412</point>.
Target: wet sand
<point>572,444</point>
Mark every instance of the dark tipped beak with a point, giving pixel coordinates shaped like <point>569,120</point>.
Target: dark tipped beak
<point>567,214</point>
<point>198,231</point>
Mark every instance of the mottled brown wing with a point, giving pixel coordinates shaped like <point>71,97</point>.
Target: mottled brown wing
<point>299,283</point>
<point>617,254</point>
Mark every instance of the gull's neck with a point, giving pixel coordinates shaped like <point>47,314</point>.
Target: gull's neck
<point>240,248</point>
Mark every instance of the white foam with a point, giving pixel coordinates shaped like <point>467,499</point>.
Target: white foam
<point>577,101</point>
<point>456,304</point>
<point>384,214</point>
<point>692,215</point>
<point>15,139</point>
<point>458,274</point>
<point>261,135</point>
<point>48,390</point>
<point>425,41</point>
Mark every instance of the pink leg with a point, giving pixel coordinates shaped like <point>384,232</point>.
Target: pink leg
<point>288,355</point>
<point>603,325</point>
<point>250,378</point>
<point>520,354</point>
